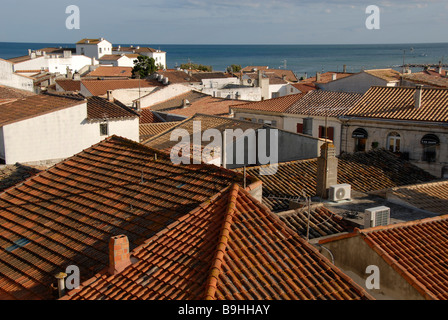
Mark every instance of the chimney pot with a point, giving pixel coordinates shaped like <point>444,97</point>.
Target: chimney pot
<point>119,256</point>
<point>110,95</point>
<point>61,283</point>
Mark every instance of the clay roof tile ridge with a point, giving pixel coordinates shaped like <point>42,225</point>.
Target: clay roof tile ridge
<point>211,284</point>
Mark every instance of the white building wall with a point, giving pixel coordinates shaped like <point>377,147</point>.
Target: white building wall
<point>58,135</point>
<point>290,124</point>
<point>54,64</point>
<point>10,79</point>
<point>163,94</point>
<point>94,50</point>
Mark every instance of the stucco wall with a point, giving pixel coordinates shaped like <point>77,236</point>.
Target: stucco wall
<point>56,64</point>
<point>58,135</point>
<point>353,256</point>
<point>410,134</point>
<point>10,79</point>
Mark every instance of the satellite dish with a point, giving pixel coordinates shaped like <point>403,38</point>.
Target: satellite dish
<point>249,81</point>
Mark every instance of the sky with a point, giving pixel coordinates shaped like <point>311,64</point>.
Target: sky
<point>226,21</point>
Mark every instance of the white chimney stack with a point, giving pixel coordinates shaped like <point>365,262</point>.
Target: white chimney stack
<point>110,95</point>
<point>61,283</point>
<point>418,96</point>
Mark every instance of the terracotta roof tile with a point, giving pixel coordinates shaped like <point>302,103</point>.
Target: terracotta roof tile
<point>33,106</point>
<point>69,85</point>
<point>230,248</point>
<point>13,93</point>
<point>100,87</point>
<point>398,103</point>
<point>109,71</point>
<point>149,130</point>
<point>324,103</point>
<point>390,75</point>
<point>432,196</point>
<point>67,214</point>
<point>11,175</point>
<point>418,250</point>
<point>428,77</point>
<point>326,77</point>
<point>279,73</point>
<point>364,171</point>
<point>101,108</point>
<point>148,116</point>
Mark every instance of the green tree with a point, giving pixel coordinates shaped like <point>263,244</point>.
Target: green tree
<point>144,66</point>
<point>234,68</point>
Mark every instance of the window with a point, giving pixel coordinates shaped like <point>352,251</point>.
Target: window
<point>393,142</point>
<point>429,143</point>
<point>300,128</point>
<point>104,129</point>
<point>101,50</point>
<point>275,94</point>
<point>329,135</point>
<point>360,136</point>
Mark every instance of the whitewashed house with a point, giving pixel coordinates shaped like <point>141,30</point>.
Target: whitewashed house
<point>118,60</point>
<point>51,127</point>
<point>93,48</point>
<point>14,80</point>
<point>158,55</point>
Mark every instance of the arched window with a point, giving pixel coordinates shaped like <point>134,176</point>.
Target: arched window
<point>360,135</point>
<point>393,142</point>
<point>429,143</point>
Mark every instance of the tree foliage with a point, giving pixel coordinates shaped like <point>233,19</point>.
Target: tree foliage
<point>193,66</point>
<point>234,68</point>
<point>144,66</point>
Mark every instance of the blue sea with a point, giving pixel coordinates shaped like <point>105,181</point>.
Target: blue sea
<point>301,59</point>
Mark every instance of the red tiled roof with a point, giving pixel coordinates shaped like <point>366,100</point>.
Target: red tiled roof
<point>100,87</point>
<point>178,76</point>
<point>111,57</point>
<point>432,196</point>
<point>69,85</point>
<point>147,116</point>
<point>428,77</point>
<point>67,214</point>
<point>304,87</point>
<point>327,77</point>
<point>13,93</point>
<point>324,103</point>
<point>398,103</point>
<point>364,171</point>
<point>109,71</point>
<point>33,106</point>
<point>417,250</point>
<point>280,104</point>
<point>279,73</point>
<point>229,248</point>
<point>148,130</point>
<point>101,108</point>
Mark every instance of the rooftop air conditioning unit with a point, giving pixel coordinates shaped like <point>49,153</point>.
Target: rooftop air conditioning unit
<point>340,192</point>
<point>378,216</point>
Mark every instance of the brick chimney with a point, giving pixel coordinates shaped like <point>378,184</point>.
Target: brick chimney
<point>327,169</point>
<point>119,256</point>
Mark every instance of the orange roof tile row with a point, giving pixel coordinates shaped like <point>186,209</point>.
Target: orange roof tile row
<point>67,214</point>
<point>35,105</point>
<point>398,103</point>
<point>324,103</point>
<point>100,87</point>
<point>229,248</point>
<point>432,196</point>
<point>148,130</point>
<point>109,71</point>
<point>69,85</point>
<point>418,250</point>
<point>101,108</point>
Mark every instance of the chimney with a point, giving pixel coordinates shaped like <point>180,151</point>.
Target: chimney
<point>110,96</point>
<point>138,105</point>
<point>334,76</point>
<point>317,76</point>
<point>418,96</point>
<point>61,283</point>
<point>260,77</point>
<point>119,256</point>
<point>439,69</point>
<point>327,169</point>
<point>76,76</point>
<point>344,68</point>
<point>185,103</point>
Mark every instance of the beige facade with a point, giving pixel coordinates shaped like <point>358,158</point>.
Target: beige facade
<point>402,137</point>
